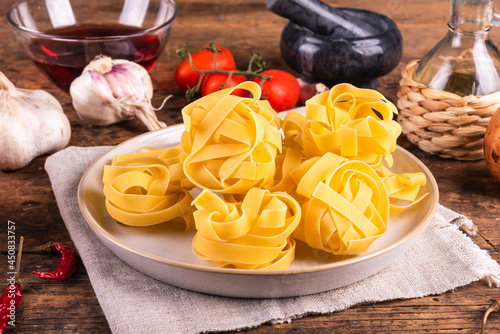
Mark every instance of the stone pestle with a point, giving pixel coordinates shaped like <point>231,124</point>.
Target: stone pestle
<point>321,18</point>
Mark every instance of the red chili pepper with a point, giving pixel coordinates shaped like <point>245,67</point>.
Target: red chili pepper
<point>12,295</point>
<point>67,266</point>
<point>9,301</point>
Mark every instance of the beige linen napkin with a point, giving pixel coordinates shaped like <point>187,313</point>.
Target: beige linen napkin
<point>442,259</point>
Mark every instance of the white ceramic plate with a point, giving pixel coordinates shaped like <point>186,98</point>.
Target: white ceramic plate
<point>164,251</point>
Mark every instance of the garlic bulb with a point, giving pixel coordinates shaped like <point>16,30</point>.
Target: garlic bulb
<point>113,90</point>
<point>32,122</point>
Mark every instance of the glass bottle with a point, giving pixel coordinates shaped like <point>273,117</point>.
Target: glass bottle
<point>465,61</point>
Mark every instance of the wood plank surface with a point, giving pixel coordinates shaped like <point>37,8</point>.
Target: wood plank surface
<point>70,306</point>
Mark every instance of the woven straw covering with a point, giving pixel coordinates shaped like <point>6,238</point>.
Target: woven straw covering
<point>444,123</point>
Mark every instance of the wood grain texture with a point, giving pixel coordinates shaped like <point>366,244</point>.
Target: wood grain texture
<point>70,306</point>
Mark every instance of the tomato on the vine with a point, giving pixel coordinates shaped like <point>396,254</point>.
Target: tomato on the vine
<point>203,60</point>
<point>282,90</point>
<point>217,81</point>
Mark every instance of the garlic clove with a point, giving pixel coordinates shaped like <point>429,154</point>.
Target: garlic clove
<point>100,86</point>
<point>113,90</point>
<point>142,84</point>
<point>32,123</point>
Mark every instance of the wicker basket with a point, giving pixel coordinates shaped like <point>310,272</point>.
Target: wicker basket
<point>444,123</point>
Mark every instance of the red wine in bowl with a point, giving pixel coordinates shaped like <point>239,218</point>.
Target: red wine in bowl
<point>64,58</point>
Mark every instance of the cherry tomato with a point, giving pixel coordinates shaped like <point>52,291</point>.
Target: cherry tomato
<point>203,60</point>
<point>282,90</point>
<point>216,81</point>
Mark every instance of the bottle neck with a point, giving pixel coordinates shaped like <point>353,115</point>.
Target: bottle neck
<point>471,16</point>
<point>468,34</point>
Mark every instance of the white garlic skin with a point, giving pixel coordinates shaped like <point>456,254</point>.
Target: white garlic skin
<point>93,105</point>
<point>32,123</point>
<point>114,90</point>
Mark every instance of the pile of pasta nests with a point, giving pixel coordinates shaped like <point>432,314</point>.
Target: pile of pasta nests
<point>323,178</point>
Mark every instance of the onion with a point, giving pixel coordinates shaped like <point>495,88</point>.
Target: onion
<point>492,145</point>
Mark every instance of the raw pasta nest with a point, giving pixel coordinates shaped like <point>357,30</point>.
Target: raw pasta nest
<point>325,179</point>
<point>231,141</point>
<point>249,234</point>
<point>148,187</point>
<point>352,122</point>
<point>347,206</point>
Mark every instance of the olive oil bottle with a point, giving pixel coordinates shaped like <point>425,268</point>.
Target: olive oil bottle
<point>465,61</point>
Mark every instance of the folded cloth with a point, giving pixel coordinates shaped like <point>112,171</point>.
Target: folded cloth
<point>442,259</point>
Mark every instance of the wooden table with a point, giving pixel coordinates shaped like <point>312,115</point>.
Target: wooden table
<point>70,306</point>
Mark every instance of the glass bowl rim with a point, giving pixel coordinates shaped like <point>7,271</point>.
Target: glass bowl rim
<point>100,38</point>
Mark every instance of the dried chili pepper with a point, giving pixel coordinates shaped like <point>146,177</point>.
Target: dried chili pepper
<point>67,266</point>
<point>12,295</point>
<point>494,307</point>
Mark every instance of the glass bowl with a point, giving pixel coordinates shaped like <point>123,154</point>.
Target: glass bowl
<point>63,36</point>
